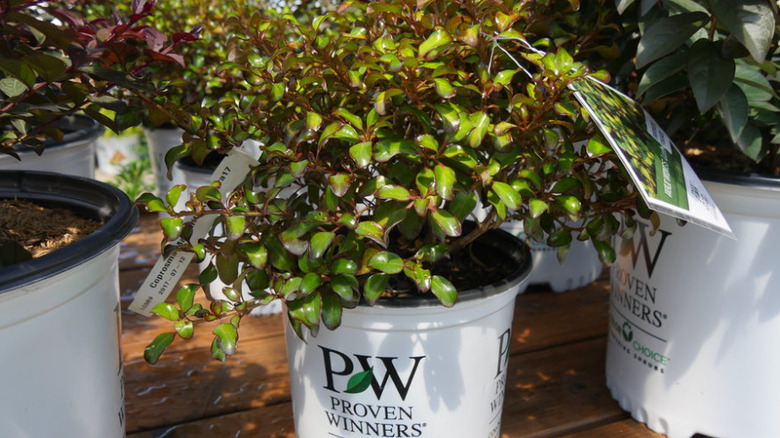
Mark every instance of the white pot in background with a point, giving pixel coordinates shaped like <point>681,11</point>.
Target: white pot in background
<point>75,155</point>
<point>581,266</point>
<point>435,372</point>
<point>160,141</point>
<point>193,176</point>
<point>61,368</point>
<point>114,151</point>
<point>695,320</point>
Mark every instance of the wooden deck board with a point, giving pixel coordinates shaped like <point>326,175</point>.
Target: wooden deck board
<point>555,383</point>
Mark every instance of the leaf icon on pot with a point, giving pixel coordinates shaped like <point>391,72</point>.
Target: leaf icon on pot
<point>360,381</point>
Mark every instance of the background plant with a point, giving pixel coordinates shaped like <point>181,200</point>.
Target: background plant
<point>707,70</point>
<point>383,127</point>
<point>54,62</point>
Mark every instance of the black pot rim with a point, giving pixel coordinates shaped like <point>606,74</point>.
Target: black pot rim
<point>751,180</point>
<point>89,197</point>
<point>498,239</point>
<point>85,128</point>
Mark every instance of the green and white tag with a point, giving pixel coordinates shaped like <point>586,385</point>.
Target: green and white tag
<point>167,272</point>
<point>664,178</point>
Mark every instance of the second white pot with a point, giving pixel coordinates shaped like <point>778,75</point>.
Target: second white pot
<point>695,320</point>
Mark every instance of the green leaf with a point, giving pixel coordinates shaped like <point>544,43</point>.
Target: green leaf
<point>185,296</point>
<point>481,123</point>
<point>173,195</point>
<point>360,381</point>
<point>256,253</point>
<point>448,223</point>
<point>310,283</point>
<point>438,39</point>
<point>507,195</point>
<point>184,328</point>
<point>340,183</point>
<point>306,309</point>
<point>12,87</point>
<point>605,251</point>
<point>361,153</point>
<point>462,205</point>
<point>235,226</point>
<point>153,203</point>
<point>444,290</point>
<point>598,147</point>
<point>445,180</point>
<point>374,287</point>
<point>153,351</point>
<point>750,143</point>
<point>537,207</point>
<point>167,311</point>
<point>395,192</point>
<point>709,74</point>
<point>662,69</point>
<point>371,230</point>
<point>319,243</point>
<point>171,227</point>
<point>228,338</point>
<point>227,267</point>
<point>387,262</point>
<point>751,22</point>
<point>559,238</point>
<point>331,311</point>
<point>313,120</point>
<point>571,204</point>
<point>444,88</point>
<point>733,109</point>
<point>344,266</point>
<point>666,35</point>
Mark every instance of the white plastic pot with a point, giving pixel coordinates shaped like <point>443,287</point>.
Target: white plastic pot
<point>188,173</point>
<point>695,320</point>
<point>159,142</point>
<point>581,266</point>
<point>75,155</point>
<point>115,151</point>
<point>61,369</point>
<point>435,372</point>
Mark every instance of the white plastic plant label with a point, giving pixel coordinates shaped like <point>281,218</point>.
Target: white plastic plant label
<point>664,178</point>
<point>167,272</point>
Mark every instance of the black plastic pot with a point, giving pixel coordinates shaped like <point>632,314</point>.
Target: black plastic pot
<point>91,199</point>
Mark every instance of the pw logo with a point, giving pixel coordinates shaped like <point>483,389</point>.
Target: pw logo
<point>644,248</point>
<point>339,364</point>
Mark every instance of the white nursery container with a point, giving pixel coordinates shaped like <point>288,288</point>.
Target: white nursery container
<point>74,155</point>
<point>61,368</point>
<point>581,266</point>
<point>435,371</point>
<point>695,320</point>
<point>160,141</point>
<point>114,151</point>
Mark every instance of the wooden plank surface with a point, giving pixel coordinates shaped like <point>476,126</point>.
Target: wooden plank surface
<point>555,383</point>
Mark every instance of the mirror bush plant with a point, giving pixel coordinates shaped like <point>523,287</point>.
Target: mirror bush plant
<point>383,127</point>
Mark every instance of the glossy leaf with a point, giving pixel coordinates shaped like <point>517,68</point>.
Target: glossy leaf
<point>508,195</point>
<point>153,351</point>
<point>449,224</point>
<point>444,290</point>
<point>167,311</point>
<point>666,35</point>
<point>387,262</point>
<point>172,227</point>
<point>228,338</point>
<point>395,192</point>
<point>185,296</point>
<point>752,22</point>
<point>319,243</point>
<point>438,39</point>
<point>374,287</point>
<point>445,181</point>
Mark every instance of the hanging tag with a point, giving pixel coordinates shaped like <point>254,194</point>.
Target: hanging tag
<point>660,172</point>
<point>167,272</point>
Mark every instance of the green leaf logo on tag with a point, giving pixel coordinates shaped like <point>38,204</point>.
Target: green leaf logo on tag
<point>360,381</point>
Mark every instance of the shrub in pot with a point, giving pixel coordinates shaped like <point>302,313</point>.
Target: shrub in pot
<point>693,312</point>
<point>387,123</point>
<point>63,307</point>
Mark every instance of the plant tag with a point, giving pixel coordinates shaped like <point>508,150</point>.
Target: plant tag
<point>663,177</point>
<point>167,272</point>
